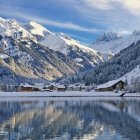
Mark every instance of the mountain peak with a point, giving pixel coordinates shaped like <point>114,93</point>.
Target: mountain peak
<point>107,37</point>
<point>37,29</point>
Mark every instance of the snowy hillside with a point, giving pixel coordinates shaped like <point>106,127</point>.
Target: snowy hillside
<point>127,77</point>
<point>132,74</point>
<point>81,54</point>
<point>113,43</point>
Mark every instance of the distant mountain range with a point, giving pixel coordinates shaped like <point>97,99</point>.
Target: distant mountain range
<point>30,53</point>
<point>113,43</point>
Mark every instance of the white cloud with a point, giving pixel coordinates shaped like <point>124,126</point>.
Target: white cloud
<point>103,14</point>
<point>132,6</point>
<point>41,20</point>
<point>65,25</point>
<point>99,4</point>
<point>79,28</point>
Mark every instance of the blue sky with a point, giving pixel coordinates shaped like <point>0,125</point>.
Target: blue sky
<point>81,19</point>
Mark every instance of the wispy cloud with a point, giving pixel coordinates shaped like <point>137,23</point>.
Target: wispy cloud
<point>87,16</point>
<point>132,6</point>
<point>114,15</point>
<point>66,25</point>
<point>8,11</point>
<point>99,4</point>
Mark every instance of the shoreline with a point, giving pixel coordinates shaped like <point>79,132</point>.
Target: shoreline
<point>71,94</point>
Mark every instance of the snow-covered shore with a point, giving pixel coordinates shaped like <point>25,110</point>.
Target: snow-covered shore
<point>66,94</point>
<point>132,95</point>
<point>59,94</point>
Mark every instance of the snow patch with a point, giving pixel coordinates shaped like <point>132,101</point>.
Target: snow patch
<point>38,29</point>
<point>3,56</point>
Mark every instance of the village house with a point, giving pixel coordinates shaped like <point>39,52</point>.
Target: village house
<point>61,88</point>
<point>81,87</point>
<point>28,88</point>
<point>77,87</point>
<point>70,88</point>
<point>111,86</point>
<point>55,87</point>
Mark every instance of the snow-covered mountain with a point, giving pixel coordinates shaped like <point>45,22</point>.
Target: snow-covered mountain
<point>113,43</point>
<point>122,65</point>
<point>37,30</point>
<point>107,37</point>
<point>81,54</point>
<point>30,53</point>
<point>23,59</point>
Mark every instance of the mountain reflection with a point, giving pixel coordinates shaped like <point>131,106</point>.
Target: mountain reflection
<point>70,120</point>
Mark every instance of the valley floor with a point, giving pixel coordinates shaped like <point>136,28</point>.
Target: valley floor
<point>66,94</point>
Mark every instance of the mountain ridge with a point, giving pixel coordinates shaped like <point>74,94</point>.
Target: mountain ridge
<point>24,56</point>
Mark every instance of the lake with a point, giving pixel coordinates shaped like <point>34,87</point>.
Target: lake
<point>70,119</point>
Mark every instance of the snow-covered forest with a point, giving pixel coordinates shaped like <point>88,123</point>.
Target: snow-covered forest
<point>118,66</point>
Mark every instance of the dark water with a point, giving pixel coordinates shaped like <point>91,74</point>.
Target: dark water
<point>81,119</point>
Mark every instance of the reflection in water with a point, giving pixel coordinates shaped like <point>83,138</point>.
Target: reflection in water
<point>70,120</point>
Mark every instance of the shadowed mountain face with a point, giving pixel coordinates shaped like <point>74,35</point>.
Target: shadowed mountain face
<point>69,120</point>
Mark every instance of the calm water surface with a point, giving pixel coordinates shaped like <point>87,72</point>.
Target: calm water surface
<point>78,119</point>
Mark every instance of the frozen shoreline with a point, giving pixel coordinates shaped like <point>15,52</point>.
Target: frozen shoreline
<point>66,94</point>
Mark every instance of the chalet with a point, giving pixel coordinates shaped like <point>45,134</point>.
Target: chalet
<point>111,86</point>
<point>70,88</point>
<point>61,88</point>
<point>28,88</point>
<point>77,87</point>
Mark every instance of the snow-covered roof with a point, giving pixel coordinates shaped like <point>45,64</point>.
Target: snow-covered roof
<point>26,85</point>
<point>108,84</point>
<point>76,85</point>
<point>61,86</point>
<point>58,85</point>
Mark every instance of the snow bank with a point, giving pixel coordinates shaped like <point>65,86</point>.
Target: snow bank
<point>60,94</point>
<point>132,95</point>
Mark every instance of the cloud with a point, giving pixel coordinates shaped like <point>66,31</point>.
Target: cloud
<point>65,25</point>
<point>94,15</point>
<point>109,14</point>
<point>132,6</point>
<point>99,4</point>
